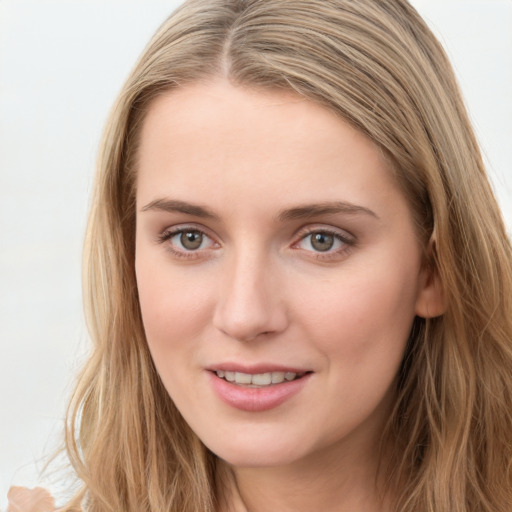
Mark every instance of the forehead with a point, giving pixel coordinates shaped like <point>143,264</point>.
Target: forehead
<point>218,142</point>
<point>238,118</point>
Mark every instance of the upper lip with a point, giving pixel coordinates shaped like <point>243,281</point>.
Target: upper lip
<point>254,369</point>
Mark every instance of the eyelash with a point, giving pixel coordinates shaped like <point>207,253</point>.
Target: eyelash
<point>169,234</point>
<point>347,241</point>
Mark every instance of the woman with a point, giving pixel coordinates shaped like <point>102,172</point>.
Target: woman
<point>299,281</point>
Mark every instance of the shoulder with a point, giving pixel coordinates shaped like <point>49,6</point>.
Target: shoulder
<point>22,499</point>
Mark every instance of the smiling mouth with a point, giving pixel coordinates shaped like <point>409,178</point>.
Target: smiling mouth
<point>258,380</point>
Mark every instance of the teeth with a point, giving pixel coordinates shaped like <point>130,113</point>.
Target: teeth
<point>258,379</point>
<point>277,377</point>
<point>262,379</point>
<point>243,378</point>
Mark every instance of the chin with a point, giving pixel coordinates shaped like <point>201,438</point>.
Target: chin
<point>256,459</point>
<point>257,453</point>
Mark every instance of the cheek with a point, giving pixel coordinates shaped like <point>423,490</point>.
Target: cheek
<point>364,318</point>
<point>173,307</point>
<point>173,315</point>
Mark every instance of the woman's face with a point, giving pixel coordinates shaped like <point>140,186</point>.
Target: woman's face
<point>278,272</point>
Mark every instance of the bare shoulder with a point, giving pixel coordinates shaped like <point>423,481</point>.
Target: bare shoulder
<point>22,499</point>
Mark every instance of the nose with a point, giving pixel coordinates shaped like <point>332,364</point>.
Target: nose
<point>251,303</point>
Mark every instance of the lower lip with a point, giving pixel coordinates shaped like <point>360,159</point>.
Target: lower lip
<point>256,399</point>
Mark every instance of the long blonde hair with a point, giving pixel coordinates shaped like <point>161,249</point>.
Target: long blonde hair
<point>377,65</point>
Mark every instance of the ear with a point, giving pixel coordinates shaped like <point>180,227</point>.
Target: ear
<point>431,299</point>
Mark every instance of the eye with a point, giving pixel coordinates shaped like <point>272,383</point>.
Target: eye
<point>327,242</point>
<point>189,240</point>
<point>321,242</point>
<point>185,242</point>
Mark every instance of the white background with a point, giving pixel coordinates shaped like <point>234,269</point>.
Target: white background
<point>61,65</point>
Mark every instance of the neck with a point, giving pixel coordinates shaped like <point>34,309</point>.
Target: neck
<point>328,482</point>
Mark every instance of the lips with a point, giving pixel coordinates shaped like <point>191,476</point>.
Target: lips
<point>254,389</point>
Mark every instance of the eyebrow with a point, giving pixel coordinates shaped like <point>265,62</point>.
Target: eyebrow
<point>173,205</point>
<point>300,212</point>
<point>312,210</point>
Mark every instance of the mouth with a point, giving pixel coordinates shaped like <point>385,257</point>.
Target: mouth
<point>258,388</point>
<point>258,380</point>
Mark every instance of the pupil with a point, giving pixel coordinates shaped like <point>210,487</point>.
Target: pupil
<point>191,240</point>
<point>322,241</point>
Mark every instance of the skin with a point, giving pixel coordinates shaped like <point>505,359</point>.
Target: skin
<point>258,291</point>
<point>22,499</point>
